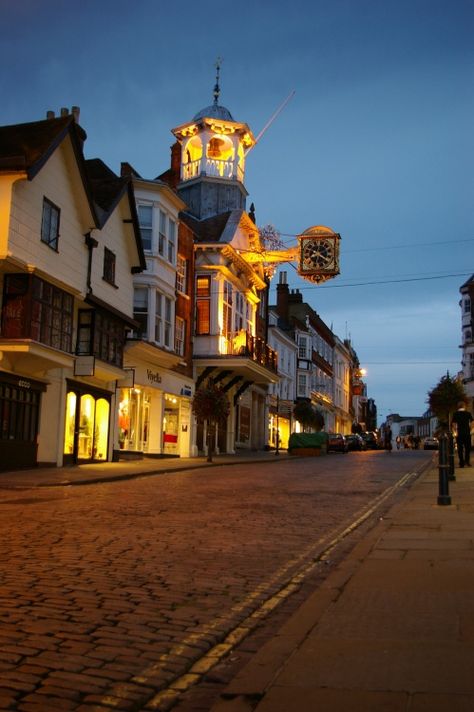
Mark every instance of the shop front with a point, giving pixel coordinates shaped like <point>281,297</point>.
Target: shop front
<point>279,423</point>
<point>154,415</point>
<point>87,424</point>
<point>20,403</point>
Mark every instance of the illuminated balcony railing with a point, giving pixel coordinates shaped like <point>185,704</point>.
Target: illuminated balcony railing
<point>211,167</point>
<point>247,346</point>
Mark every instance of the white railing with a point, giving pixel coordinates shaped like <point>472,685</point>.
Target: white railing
<point>214,168</point>
<point>219,169</point>
<point>191,169</point>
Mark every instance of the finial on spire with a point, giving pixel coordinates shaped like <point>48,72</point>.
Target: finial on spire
<point>217,89</point>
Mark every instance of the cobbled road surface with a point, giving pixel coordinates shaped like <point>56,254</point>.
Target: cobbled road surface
<point>148,594</point>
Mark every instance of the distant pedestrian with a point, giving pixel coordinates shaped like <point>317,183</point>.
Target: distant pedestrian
<point>461,422</point>
<point>398,440</point>
<point>388,439</point>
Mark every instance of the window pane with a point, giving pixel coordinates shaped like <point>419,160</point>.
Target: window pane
<point>145,218</point>
<point>50,224</point>
<point>203,286</point>
<point>203,317</point>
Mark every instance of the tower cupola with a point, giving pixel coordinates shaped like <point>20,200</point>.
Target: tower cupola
<point>213,151</point>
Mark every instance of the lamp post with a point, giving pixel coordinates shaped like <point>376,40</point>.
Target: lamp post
<point>277,447</point>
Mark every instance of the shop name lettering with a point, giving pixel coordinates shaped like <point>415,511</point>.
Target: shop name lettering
<point>153,377</point>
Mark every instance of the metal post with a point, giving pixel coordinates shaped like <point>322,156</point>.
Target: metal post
<point>443,497</point>
<point>451,474</point>
<point>277,447</point>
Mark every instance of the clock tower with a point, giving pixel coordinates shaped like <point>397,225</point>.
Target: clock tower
<point>213,151</point>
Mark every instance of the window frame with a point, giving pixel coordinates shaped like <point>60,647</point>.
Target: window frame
<point>179,335</point>
<point>203,305</point>
<point>140,311</point>
<point>49,209</point>
<point>109,267</point>
<point>144,227</point>
<point>162,233</point>
<point>181,274</point>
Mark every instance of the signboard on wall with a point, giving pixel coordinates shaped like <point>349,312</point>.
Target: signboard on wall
<point>84,366</point>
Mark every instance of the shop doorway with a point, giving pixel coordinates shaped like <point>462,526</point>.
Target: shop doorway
<point>20,400</point>
<point>170,426</point>
<point>86,435</point>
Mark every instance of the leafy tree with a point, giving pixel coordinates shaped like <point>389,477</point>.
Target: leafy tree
<point>308,416</point>
<point>211,404</point>
<point>444,398</point>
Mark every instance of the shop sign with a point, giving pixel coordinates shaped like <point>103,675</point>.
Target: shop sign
<point>129,380</point>
<point>84,366</point>
<point>153,376</point>
<point>186,391</point>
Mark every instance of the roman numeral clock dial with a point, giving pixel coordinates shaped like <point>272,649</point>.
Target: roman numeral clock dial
<point>319,254</point>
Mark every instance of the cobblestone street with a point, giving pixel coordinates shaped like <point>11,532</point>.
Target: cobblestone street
<point>111,592</point>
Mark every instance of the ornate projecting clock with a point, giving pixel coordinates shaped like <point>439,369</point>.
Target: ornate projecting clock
<point>319,253</point>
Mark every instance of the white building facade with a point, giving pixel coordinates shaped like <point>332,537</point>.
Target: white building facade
<point>154,411</point>
<point>69,241</point>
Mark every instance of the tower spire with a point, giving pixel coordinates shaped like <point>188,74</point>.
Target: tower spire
<point>217,89</point>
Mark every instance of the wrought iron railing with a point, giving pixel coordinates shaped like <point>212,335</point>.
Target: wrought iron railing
<point>244,344</point>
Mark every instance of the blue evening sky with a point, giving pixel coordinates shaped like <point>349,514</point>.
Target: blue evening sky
<point>377,141</point>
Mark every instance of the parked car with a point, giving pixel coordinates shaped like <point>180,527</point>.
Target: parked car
<point>355,442</point>
<point>430,444</point>
<point>370,440</point>
<point>337,443</point>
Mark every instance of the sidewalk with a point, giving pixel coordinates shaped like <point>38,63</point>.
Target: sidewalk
<point>392,629</point>
<point>125,469</point>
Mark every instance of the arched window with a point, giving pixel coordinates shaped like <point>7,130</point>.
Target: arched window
<point>220,148</point>
<point>192,150</point>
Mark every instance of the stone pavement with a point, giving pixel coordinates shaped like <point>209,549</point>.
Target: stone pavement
<point>125,469</point>
<point>392,629</point>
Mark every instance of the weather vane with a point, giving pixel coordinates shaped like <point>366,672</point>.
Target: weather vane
<point>217,89</point>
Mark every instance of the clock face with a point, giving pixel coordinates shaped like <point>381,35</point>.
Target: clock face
<point>317,255</point>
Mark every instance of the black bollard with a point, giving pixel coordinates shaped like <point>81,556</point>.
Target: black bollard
<point>443,455</point>
<point>451,474</point>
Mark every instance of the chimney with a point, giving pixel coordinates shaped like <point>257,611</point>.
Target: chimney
<point>64,111</point>
<point>282,297</point>
<point>50,114</point>
<point>175,163</point>
<point>75,111</point>
<point>295,297</point>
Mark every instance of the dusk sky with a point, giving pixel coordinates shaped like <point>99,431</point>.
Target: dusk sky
<point>376,142</point>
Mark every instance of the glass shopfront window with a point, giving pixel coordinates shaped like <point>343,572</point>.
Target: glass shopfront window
<point>134,419</point>
<point>86,433</point>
